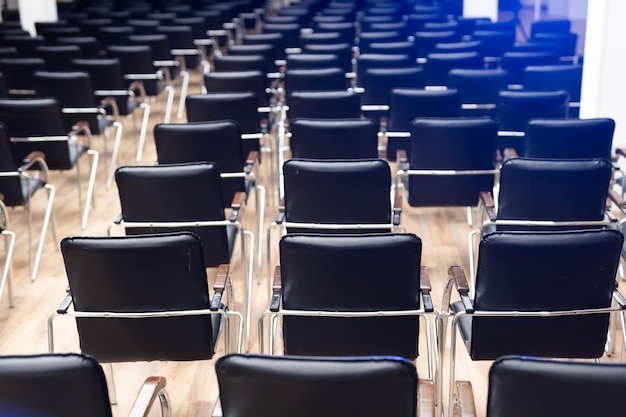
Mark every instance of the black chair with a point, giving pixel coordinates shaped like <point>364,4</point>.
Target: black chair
<point>516,108</point>
<point>138,70</point>
<point>379,82</point>
<point>336,196</point>
<point>144,298</point>
<point>114,35</point>
<point>75,95</point>
<point>544,194</point>
<point>90,46</point>
<point>569,138</point>
<point>556,77</point>
<point>478,89</point>
<point>325,290</point>
<point>312,61</point>
<point>367,61</point>
<point>59,376</point>
<point>62,149</point>
<point>9,242</point>
<point>107,79</point>
<point>283,386</point>
<point>18,73</point>
<point>408,103</point>
<point>324,105</point>
<point>439,65</point>
<point>239,81</point>
<point>18,185</point>
<point>425,41</point>
<point>223,63</point>
<point>515,63</point>
<point>58,57</point>
<point>543,388</point>
<point>343,51</point>
<point>452,161</point>
<point>564,286</point>
<point>334,138</point>
<point>186,197</point>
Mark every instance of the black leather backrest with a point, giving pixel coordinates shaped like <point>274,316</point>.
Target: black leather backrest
<point>477,86</point>
<point>134,59</point>
<point>367,61</point>
<point>324,105</point>
<point>544,271</point>
<point>237,81</point>
<point>218,142</point>
<point>10,186</point>
<point>40,386</point>
<point>105,73</point>
<point>280,386</point>
<point>516,108</point>
<point>71,89</point>
<point>223,63</point>
<point>569,138</point>
<point>275,39</point>
<point>439,65</point>
<point>140,274</point>
<point>345,273</point>
<point>337,191</point>
<point>451,144</point>
<point>524,386</point>
<point>379,82</point>
<point>241,107</point>
<point>551,77</point>
<point>311,61</point>
<point>553,189</point>
<point>315,79</point>
<point>334,138</point>
<point>409,103</point>
<point>177,192</point>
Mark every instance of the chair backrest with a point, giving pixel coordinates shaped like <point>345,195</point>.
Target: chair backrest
<point>274,39</point>
<point>569,138</point>
<point>217,141</point>
<point>282,386</point>
<point>379,82</point>
<point>343,273</point>
<point>478,86</point>
<point>553,189</point>
<point>319,79</point>
<point>90,46</point>
<point>10,185</point>
<point>540,271</point>
<point>451,144</point>
<point>237,81</point>
<point>440,64</point>
<point>555,77</point>
<point>223,63</point>
<point>343,51</point>
<point>312,61</point>
<point>58,57</point>
<point>19,72</point>
<point>334,138</point>
<point>367,61</point>
<point>18,116</point>
<point>337,191</point>
<point>324,105</point>
<point>54,378</point>
<point>426,41</point>
<point>540,387</point>
<point>494,42</point>
<point>515,63</point>
<point>147,273</point>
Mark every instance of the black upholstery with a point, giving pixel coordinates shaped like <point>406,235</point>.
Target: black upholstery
<point>526,386</point>
<point>569,138</point>
<point>344,273</point>
<point>18,73</point>
<point>320,79</point>
<point>237,81</point>
<point>274,39</point>
<point>440,64</point>
<point>289,31</point>
<point>409,103</point>
<point>90,46</point>
<point>337,191</point>
<point>217,141</point>
<point>222,63</point>
<point>16,191</point>
<point>379,82</point>
<point>281,386</point>
<point>343,51</point>
<point>147,273</point>
<point>451,144</point>
<point>54,379</point>
<point>367,61</point>
<point>556,77</point>
<point>394,48</point>
<point>178,192</point>
<point>312,61</point>
<point>58,57</point>
<point>324,105</point>
<point>516,62</point>
<point>334,138</point>
<point>559,190</point>
<point>548,271</point>
<point>478,87</point>
<point>137,60</point>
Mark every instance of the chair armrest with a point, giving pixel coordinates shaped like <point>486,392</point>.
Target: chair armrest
<point>219,286</point>
<point>425,289</point>
<point>426,398</point>
<point>149,392</point>
<point>487,200</point>
<point>619,298</point>
<point>460,281</point>
<point>620,152</point>
<point>510,153</point>
<point>281,211</point>
<point>403,160</point>
<point>276,289</point>
<point>253,156</point>
<point>32,158</point>
<point>110,102</point>
<point>238,200</point>
<point>397,210</point>
<point>65,304</point>
<point>464,405</point>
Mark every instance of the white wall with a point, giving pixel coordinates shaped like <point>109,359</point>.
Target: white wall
<point>481,8</point>
<point>32,11</point>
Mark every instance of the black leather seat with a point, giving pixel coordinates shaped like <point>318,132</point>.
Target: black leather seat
<point>62,376</point>
<point>265,386</point>
<point>324,105</point>
<point>544,388</point>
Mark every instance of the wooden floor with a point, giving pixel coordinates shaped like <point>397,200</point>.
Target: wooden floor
<point>192,386</point>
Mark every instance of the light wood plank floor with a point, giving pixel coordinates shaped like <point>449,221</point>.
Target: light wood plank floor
<point>192,386</point>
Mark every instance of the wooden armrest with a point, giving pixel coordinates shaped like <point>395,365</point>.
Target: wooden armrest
<point>464,404</point>
<point>238,200</point>
<point>460,281</point>
<point>147,394</point>
<point>425,288</point>
<point>397,209</point>
<point>510,153</point>
<point>281,211</point>
<point>276,289</point>
<point>220,284</point>
<point>253,156</point>
<point>402,159</point>
<point>487,200</point>
<point>33,156</point>
<point>616,199</point>
<point>426,398</point>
